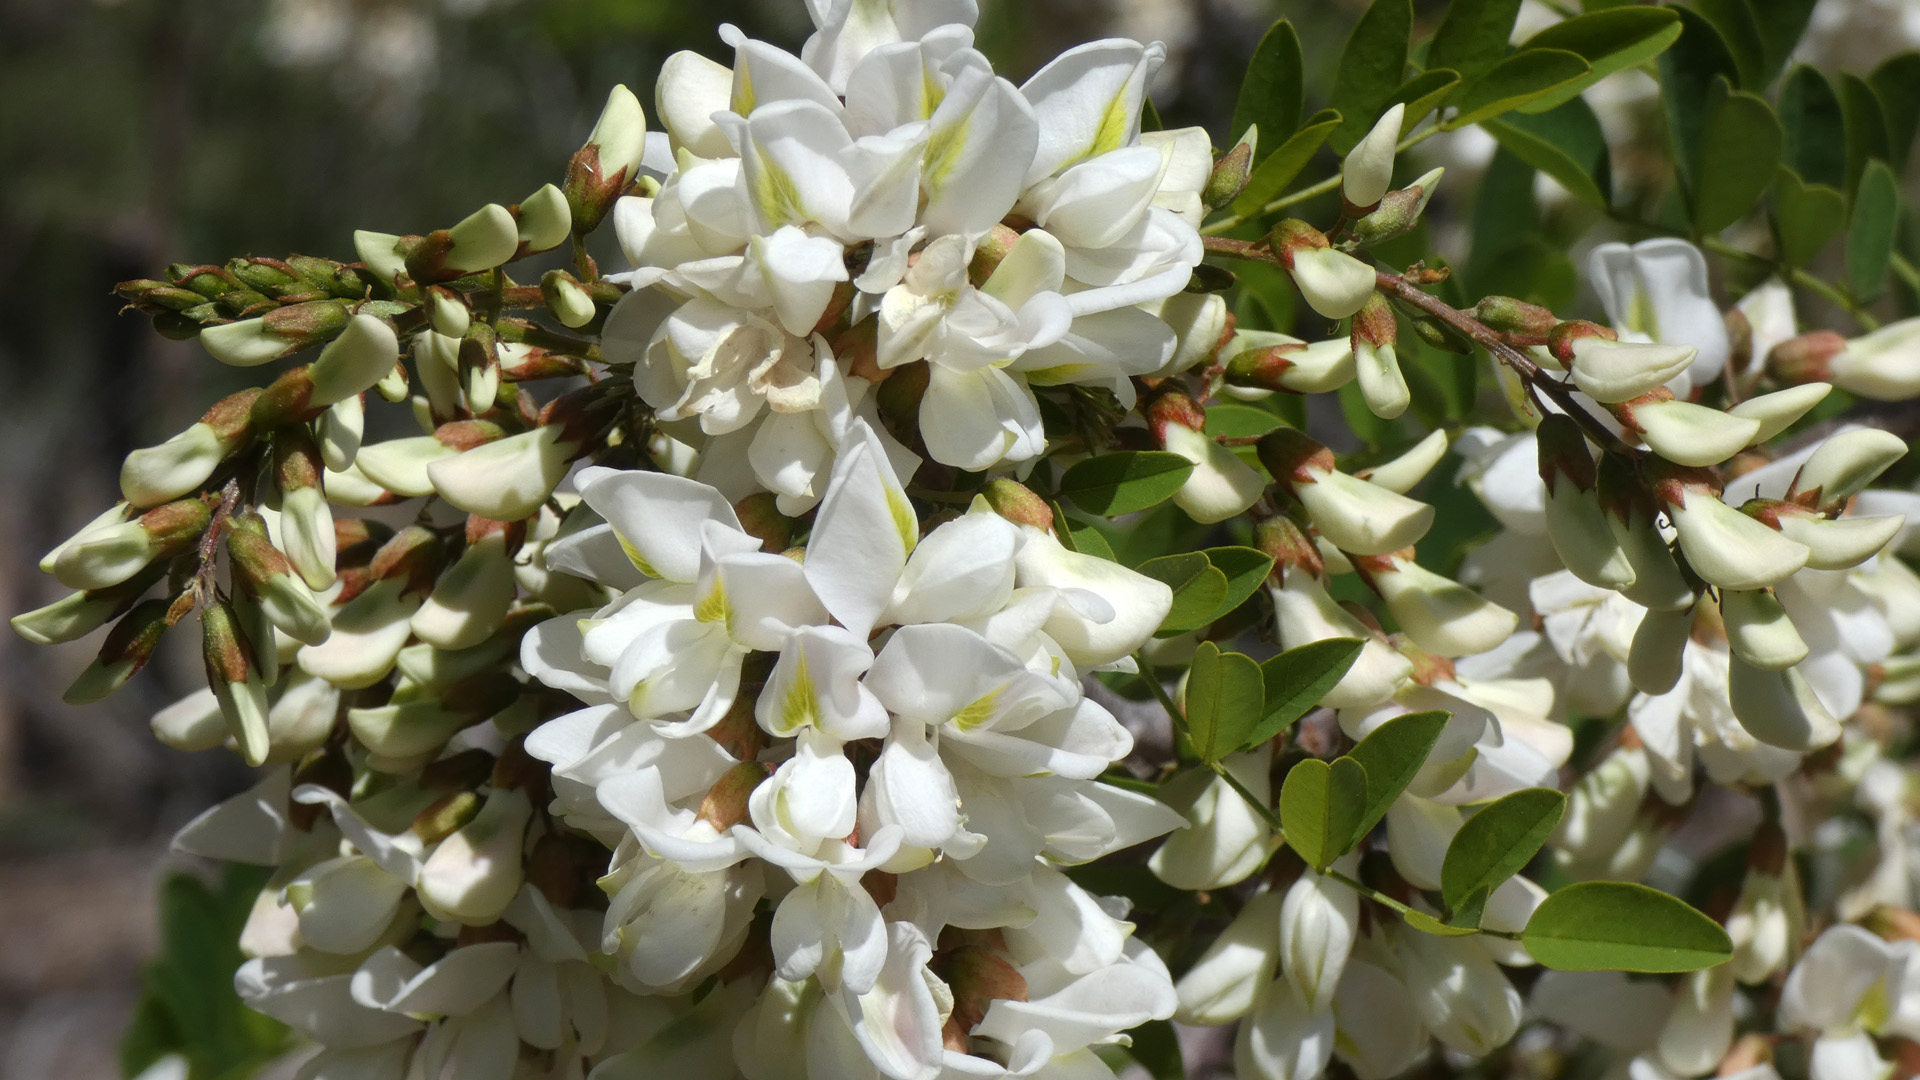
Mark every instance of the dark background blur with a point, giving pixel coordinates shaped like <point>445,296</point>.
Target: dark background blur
<point>135,133</point>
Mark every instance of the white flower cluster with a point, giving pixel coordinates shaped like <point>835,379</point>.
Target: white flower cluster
<point>872,176</point>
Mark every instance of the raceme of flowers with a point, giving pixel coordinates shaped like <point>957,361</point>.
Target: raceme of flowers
<point>732,693</point>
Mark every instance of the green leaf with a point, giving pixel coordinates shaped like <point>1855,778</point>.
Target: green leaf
<point>1271,91</point>
<point>1271,178</point>
<point>1391,754</point>
<point>1297,679</point>
<point>1227,420</point>
<point>190,985</point>
<point>1780,24</point>
<point>1866,128</point>
<point>1423,93</point>
<point>1739,151</point>
<point>1372,66</point>
<point>1609,41</point>
<point>1816,129</point>
<point>1896,82</point>
<point>1876,206</point>
<point>1474,35</point>
<point>1523,77</point>
<point>1079,535</point>
<point>1687,72</point>
<point>1198,590</point>
<point>1618,926</point>
<point>1222,701</point>
<point>1121,483</point>
<point>1498,842</point>
<point>1566,144</point>
<point>1734,20</point>
<point>1806,215</point>
<point>1245,569</point>
<point>1321,807</point>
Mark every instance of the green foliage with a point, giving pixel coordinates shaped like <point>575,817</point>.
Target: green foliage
<point>1271,93</point>
<point>1473,36</point>
<point>1223,701</point>
<point>1371,68</point>
<point>1870,231</point>
<point>1609,41</point>
<point>1525,77</point>
<point>1565,143</point>
<point>1114,484</point>
<point>1497,842</point>
<point>190,1007</point>
<point>1391,754</point>
<point>1207,584</point>
<point>1619,926</point>
<point>1321,806</point>
<point>1738,154</point>
<point>1297,679</point>
<point>1815,128</point>
<point>1806,216</point>
<point>1274,173</point>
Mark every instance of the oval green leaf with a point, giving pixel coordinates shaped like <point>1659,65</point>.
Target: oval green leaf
<point>1513,82</point>
<point>1245,569</point>
<point>1391,754</point>
<point>1620,926</point>
<point>1498,842</point>
<point>1474,35</point>
<point>1739,151</point>
<point>1566,144</point>
<point>1198,590</point>
<point>1372,66</point>
<point>1122,483</point>
<point>1223,700</point>
<point>1611,40</point>
<point>1271,91</point>
<point>1806,215</point>
<point>1321,807</point>
<point>1870,233</point>
<point>1273,175</point>
<point>1297,679</point>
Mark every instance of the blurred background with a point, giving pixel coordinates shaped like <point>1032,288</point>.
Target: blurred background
<point>135,133</point>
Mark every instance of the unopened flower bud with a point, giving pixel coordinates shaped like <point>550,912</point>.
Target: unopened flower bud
<point>361,356</point>
<point>1779,708</point>
<point>1398,212</point>
<point>1304,613</point>
<point>1283,1039</point>
<point>1884,365</point>
<point>1017,503</point>
<point>126,650</point>
<point>1334,283</point>
<point>1685,433</point>
<point>193,723</point>
<point>180,465</point>
<point>1576,526</point>
<point>1724,546</point>
<point>234,677</point>
<point>470,600</point>
<point>1846,463</point>
<point>1230,173</point>
<point>1357,517</point>
<point>1630,515</point>
<point>474,874</point>
<point>1758,630</point>
<point>1290,365</point>
<point>1367,172</point>
<point>1462,995</point>
<point>479,366</point>
<point>1761,923</point>
<point>306,519</point>
<point>369,630</point>
<point>1440,334</point>
<point>1699,1030</point>
<point>1442,616</point>
<point>400,465</point>
<point>268,578</point>
<point>603,169</point>
<point>1655,660</point>
<point>277,334</point>
<point>726,802</point>
<point>445,816</point>
<point>1283,541</point>
<point>508,479</point>
<point>1613,371</point>
<point>1223,984</point>
<point>107,519</point>
<point>760,518</point>
<point>110,555</point>
<point>1516,318</point>
<point>78,614</point>
<point>1403,473</point>
<point>1374,337</point>
<point>1318,923</point>
<point>447,313</point>
<point>1561,336</point>
<point>381,252</point>
<point>566,299</point>
<point>545,221</point>
<point>1832,543</point>
<point>1777,411</point>
<point>1220,485</point>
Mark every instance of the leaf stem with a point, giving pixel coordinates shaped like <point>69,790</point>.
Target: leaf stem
<point>1266,812</point>
<point>1402,909</point>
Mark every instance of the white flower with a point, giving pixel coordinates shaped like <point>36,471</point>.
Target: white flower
<point>1656,291</point>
